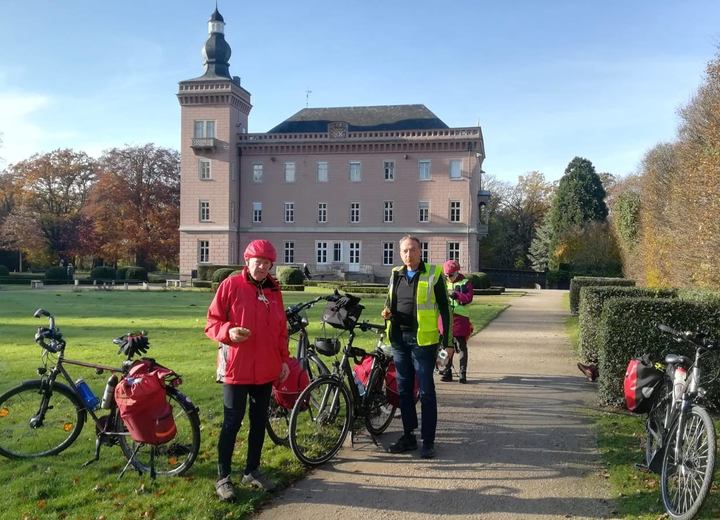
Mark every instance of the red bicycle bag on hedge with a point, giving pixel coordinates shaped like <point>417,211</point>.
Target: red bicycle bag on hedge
<point>143,405</point>
<point>287,392</point>
<point>642,379</point>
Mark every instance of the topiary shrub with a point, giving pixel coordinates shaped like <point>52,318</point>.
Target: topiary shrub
<point>202,284</point>
<point>220,274</point>
<point>628,328</point>
<point>4,271</point>
<point>479,280</point>
<point>136,273</point>
<point>288,275</point>
<point>103,272</point>
<point>121,272</point>
<point>583,281</point>
<point>206,271</point>
<point>56,274</point>
<point>592,299</point>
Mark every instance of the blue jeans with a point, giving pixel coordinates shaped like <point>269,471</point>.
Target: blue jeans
<point>411,359</point>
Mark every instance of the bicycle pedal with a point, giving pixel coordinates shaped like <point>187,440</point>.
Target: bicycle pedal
<point>642,467</point>
<point>86,464</point>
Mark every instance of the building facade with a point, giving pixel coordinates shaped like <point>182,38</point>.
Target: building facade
<point>331,187</point>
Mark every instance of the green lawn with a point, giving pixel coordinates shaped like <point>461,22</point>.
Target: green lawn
<point>58,487</point>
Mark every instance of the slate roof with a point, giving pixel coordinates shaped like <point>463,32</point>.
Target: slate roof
<point>361,119</point>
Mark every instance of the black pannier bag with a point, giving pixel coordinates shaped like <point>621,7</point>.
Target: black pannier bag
<point>642,380</point>
<point>343,312</point>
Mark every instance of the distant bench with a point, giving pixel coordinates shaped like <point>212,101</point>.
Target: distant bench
<point>175,283</point>
<point>36,284</point>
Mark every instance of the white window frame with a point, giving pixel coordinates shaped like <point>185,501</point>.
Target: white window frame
<point>455,173</point>
<point>289,252</point>
<point>424,211</point>
<point>204,169</point>
<point>455,215</point>
<point>322,172</point>
<point>203,251</point>
<point>289,212</point>
<point>388,207</point>
<point>354,212</point>
<point>337,253</point>
<point>321,256</point>
<point>355,171</point>
<point>258,171</point>
<point>425,251</point>
<point>388,253</point>
<point>204,211</point>
<point>289,171</point>
<point>257,212</point>
<point>204,128</point>
<point>354,252</point>
<point>425,169</point>
<point>389,171</point>
<point>322,212</point>
<point>453,251</point>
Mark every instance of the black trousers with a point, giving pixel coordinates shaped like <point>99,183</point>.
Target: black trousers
<point>234,399</point>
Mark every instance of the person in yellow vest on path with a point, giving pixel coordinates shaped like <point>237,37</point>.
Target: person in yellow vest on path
<point>461,294</point>
<point>417,297</point>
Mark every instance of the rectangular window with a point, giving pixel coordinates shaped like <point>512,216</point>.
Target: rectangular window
<point>424,251</point>
<point>257,172</point>
<point>203,251</point>
<point>289,252</point>
<point>204,211</point>
<point>389,170</point>
<point>321,252</point>
<point>388,211</point>
<point>455,168</point>
<point>289,212</point>
<point>204,169</point>
<point>322,171</point>
<point>204,129</point>
<point>388,250</point>
<point>453,251</point>
<point>290,171</point>
<point>322,212</point>
<point>257,212</point>
<point>423,211</point>
<point>354,212</point>
<point>354,171</point>
<point>454,211</point>
<point>337,252</point>
<point>354,252</point>
<point>424,170</point>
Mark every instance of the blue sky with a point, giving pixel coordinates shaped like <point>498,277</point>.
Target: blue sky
<point>547,79</point>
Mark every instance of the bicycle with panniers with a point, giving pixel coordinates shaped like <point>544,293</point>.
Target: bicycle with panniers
<point>681,440</point>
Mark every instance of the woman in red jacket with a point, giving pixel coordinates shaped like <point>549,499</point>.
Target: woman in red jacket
<point>247,317</point>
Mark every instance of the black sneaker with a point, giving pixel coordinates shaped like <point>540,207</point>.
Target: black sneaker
<point>405,443</point>
<point>447,377</point>
<point>462,379</point>
<point>428,451</point>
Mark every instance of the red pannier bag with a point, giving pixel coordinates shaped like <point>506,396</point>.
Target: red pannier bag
<point>287,392</point>
<point>362,372</point>
<point>391,390</point>
<point>143,405</point>
<point>642,379</point>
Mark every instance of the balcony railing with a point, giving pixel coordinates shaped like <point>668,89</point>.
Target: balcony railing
<point>203,143</point>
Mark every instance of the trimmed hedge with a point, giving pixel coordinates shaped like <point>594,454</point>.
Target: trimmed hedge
<point>479,280</point>
<point>628,328</point>
<point>56,274</point>
<point>289,275</point>
<point>103,272</point>
<point>121,272</point>
<point>135,272</point>
<point>203,284</point>
<point>699,295</point>
<point>206,271</point>
<point>292,288</point>
<point>220,274</point>
<point>559,279</point>
<point>365,289</point>
<point>592,299</point>
<point>4,271</point>
<point>584,281</point>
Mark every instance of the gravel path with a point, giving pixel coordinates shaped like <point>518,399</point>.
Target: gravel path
<point>514,443</point>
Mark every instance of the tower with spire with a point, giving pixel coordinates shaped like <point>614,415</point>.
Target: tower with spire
<point>214,110</point>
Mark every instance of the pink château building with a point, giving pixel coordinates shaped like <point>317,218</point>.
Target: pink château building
<point>331,187</point>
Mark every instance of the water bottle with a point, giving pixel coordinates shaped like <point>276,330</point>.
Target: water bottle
<point>108,397</point>
<point>87,396</point>
<point>679,382</point>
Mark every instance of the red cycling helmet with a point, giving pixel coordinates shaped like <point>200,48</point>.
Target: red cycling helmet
<point>260,249</point>
<point>450,267</point>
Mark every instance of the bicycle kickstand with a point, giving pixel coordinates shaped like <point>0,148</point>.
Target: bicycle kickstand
<point>98,443</point>
<point>130,459</point>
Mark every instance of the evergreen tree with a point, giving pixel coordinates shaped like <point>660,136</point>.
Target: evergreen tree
<point>539,251</point>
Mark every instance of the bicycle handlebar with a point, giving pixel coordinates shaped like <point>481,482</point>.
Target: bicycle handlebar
<point>366,326</point>
<point>57,343</point>
<point>296,308</point>
<point>699,339</point>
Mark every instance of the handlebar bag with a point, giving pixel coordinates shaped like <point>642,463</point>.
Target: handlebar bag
<point>343,313</point>
<point>287,392</point>
<point>642,380</point>
<point>143,405</point>
<point>391,387</point>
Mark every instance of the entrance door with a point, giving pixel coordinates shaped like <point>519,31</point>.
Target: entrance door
<point>354,260</point>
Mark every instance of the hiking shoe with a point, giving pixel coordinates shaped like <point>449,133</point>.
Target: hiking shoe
<point>225,489</point>
<point>405,443</point>
<point>590,371</point>
<point>258,480</point>
<point>447,376</point>
<point>428,451</point>
<point>462,379</point>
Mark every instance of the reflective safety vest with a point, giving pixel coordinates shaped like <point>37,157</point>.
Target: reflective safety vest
<point>455,307</point>
<point>427,311</point>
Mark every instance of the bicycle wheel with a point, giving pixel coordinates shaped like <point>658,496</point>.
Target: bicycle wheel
<point>379,412</point>
<point>687,469</point>
<point>26,432</point>
<point>278,423</point>
<point>320,421</point>
<point>655,427</point>
<point>177,456</point>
